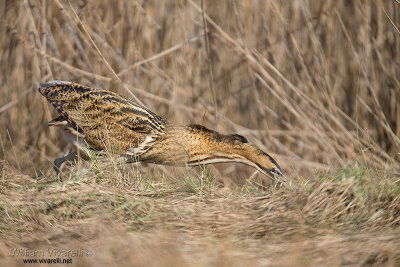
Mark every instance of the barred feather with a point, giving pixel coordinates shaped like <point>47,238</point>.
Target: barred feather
<point>106,120</point>
<point>104,117</point>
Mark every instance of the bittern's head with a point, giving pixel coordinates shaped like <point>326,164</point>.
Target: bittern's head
<point>253,156</point>
<point>214,147</point>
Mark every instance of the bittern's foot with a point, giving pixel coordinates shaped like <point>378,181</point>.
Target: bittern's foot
<point>57,165</point>
<point>59,161</point>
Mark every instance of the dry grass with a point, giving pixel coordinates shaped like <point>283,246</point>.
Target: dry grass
<point>348,217</point>
<point>314,83</point>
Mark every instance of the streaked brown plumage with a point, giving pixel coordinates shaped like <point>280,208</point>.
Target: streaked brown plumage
<point>98,119</point>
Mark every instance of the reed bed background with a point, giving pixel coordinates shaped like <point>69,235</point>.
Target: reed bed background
<point>313,83</point>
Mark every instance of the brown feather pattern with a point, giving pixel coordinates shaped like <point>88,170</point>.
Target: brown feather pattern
<point>106,120</point>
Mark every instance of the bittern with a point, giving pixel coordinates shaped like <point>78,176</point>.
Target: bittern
<point>95,120</point>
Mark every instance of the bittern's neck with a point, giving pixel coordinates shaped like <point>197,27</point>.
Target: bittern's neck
<point>195,144</point>
<point>210,147</point>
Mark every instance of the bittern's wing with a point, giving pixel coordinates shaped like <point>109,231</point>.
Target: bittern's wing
<point>103,117</point>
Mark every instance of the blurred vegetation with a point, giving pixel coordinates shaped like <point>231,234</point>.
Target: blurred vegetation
<point>314,83</point>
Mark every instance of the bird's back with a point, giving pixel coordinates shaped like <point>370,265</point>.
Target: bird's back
<point>105,119</point>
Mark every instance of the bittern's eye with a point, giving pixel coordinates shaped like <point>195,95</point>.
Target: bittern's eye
<point>277,172</point>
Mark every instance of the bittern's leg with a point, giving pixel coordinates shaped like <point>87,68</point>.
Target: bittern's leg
<point>59,161</point>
